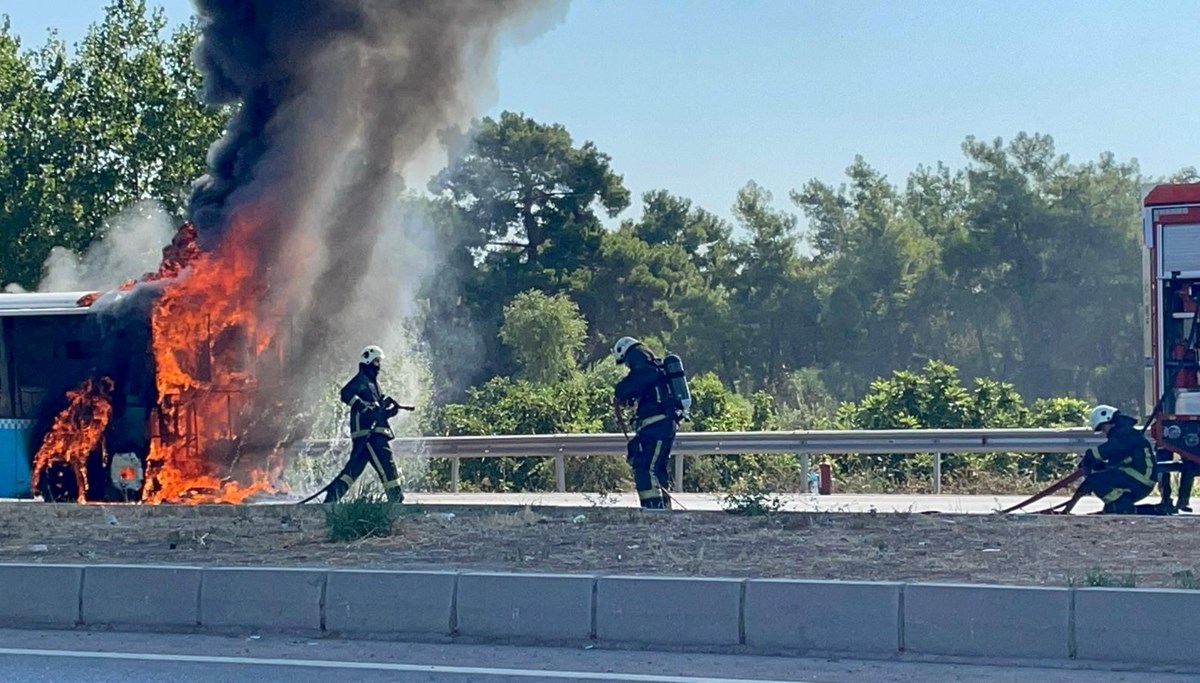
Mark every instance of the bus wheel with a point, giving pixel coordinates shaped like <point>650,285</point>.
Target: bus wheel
<point>58,483</point>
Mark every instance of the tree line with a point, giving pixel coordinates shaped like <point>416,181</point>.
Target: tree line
<point>1014,274</point>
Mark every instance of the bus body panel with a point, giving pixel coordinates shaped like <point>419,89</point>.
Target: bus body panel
<point>15,457</point>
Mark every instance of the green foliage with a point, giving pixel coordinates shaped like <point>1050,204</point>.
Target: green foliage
<point>545,334</point>
<point>1098,578</point>
<point>987,267</point>
<point>937,399</point>
<point>1185,579</point>
<point>751,497</point>
<point>502,405</point>
<point>356,518</point>
<point>86,133</point>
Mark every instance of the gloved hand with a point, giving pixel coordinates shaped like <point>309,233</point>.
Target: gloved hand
<point>373,412</point>
<point>390,407</point>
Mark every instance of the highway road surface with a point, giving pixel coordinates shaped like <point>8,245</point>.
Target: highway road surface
<point>105,657</point>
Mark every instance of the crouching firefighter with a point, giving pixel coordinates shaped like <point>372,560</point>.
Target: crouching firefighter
<point>370,432</point>
<point>1120,471</point>
<point>659,389</point>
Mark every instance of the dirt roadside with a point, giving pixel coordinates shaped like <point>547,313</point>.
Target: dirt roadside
<point>1015,549</point>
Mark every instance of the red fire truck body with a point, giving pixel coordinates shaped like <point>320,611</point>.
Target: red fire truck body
<point>1171,271</point>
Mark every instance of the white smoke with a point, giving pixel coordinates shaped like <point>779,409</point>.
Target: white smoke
<point>131,246</point>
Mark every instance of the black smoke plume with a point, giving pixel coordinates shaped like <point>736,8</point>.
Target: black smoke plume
<point>334,100</point>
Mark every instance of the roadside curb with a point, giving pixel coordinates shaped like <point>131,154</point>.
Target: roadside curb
<point>705,614</point>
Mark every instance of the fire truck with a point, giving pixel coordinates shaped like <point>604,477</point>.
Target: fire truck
<point>1171,277</point>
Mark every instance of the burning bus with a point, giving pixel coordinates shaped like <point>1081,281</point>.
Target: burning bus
<point>164,390</point>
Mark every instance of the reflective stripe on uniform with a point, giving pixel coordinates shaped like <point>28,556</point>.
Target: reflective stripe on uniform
<point>647,495</point>
<point>654,463</point>
<point>393,484</point>
<point>375,459</point>
<point>1113,495</point>
<point>1139,476</point>
<point>649,421</point>
<point>360,433</point>
<point>349,480</point>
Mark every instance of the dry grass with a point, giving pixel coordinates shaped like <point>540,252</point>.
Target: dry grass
<point>911,547</point>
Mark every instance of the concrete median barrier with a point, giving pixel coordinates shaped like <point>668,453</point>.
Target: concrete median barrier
<point>987,621</point>
<point>863,619</point>
<point>119,595</point>
<point>385,602</point>
<point>543,607</point>
<point>823,616</point>
<point>653,610</point>
<point>1136,625</point>
<point>278,599</point>
<point>33,595</point>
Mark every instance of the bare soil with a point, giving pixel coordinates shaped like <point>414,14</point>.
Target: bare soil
<point>1014,549</point>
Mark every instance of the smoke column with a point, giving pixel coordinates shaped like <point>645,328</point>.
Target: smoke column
<point>336,99</point>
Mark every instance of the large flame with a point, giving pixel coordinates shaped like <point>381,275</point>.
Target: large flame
<point>76,431</point>
<point>211,342</point>
<point>208,340</point>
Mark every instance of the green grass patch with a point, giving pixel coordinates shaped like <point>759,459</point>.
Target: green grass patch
<point>358,518</point>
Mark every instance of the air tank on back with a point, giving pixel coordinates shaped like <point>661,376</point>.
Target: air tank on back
<point>673,366</point>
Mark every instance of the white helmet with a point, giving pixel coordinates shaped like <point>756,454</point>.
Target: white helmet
<point>1101,414</point>
<point>622,347</point>
<point>370,354</point>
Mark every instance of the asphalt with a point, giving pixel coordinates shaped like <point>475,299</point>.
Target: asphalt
<point>106,657</point>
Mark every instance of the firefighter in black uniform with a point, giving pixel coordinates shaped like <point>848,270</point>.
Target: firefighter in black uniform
<point>1120,471</point>
<point>654,421</point>
<point>370,432</point>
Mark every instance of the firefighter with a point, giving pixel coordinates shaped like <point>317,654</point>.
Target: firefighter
<point>1120,471</point>
<point>370,432</point>
<point>654,421</point>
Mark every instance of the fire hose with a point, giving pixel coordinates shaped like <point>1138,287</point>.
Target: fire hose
<point>389,402</point>
<point>1056,486</point>
<point>1066,506</point>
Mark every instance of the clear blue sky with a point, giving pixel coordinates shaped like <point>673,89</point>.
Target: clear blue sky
<point>700,96</point>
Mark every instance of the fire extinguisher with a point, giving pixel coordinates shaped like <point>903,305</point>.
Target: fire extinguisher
<point>1185,376</point>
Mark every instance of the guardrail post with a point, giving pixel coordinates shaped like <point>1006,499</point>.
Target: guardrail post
<point>453,474</point>
<point>679,472</point>
<point>804,465</point>
<point>937,473</point>
<point>560,472</point>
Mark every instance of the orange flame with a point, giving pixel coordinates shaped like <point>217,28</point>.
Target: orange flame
<point>207,339</point>
<point>76,431</point>
<point>210,339</point>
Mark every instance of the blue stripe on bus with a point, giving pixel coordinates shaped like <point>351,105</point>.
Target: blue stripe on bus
<point>14,457</point>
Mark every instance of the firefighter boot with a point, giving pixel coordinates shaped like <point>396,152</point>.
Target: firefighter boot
<point>653,504</point>
<point>1186,478</point>
<point>338,488</point>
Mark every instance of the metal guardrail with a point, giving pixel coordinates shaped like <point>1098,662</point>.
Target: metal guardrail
<point>803,443</point>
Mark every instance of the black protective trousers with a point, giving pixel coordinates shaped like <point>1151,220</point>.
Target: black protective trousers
<point>1118,490</point>
<point>649,456</point>
<point>375,450</point>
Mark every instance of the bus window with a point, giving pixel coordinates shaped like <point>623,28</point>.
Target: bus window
<point>48,358</point>
<point>7,403</point>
